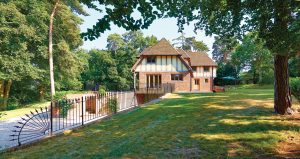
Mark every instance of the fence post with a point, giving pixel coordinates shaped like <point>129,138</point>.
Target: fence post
<point>82,122</point>
<point>51,118</point>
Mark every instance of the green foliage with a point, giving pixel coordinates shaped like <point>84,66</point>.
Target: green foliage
<point>115,42</point>
<point>24,47</point>
<point>64,106</point>
<point>113,105</point>
<point>2,114</point>
<point>189,43</point>
<point>294,65</point>
<point>223,47</point>
<point>295,87</point>
<point>227,69</point>
<point>112,68</point>
<point>252,56</point>
<point>102,90</point>
<point>200,46</point>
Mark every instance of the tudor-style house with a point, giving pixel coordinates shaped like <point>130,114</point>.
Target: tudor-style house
<point>162,63</point>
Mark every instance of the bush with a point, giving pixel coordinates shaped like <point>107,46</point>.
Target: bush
<point>12,103</point>
<point>64,107</point>
<point>102,90</point>
<point>2,114</point>
<point>295,87</point>
<point>113,105</point>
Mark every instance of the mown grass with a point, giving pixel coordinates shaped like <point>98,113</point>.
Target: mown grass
<point>19,112</point>
<point>25,109</point>
<point>235,124</point>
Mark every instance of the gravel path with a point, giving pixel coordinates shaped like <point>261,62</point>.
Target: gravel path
<point>6,128</point>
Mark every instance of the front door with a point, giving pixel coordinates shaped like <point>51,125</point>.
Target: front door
<point>197,84</point>
<point>153,81</point>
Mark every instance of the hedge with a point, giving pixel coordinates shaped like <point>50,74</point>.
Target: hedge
<point>295,87</point>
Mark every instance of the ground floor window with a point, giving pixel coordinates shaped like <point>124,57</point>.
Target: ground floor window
<point>176,77</point>
<point>206,80</point>
<point>153,81</point>
<point>196,81</point>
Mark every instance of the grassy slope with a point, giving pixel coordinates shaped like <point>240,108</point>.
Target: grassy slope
<point>19,112</point>
<point>239,123</point>
<point>9,114</point>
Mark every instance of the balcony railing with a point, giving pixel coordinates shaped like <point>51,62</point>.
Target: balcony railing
<point>161,88</point>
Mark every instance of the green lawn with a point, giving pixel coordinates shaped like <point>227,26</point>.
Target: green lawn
<point>21,111</point>
<point>17,113</point>
<point>236,124</point>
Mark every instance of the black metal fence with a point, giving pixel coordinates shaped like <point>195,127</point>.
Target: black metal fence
<point>148,92</point>
<point>70,113</point>
<point>80,109</point>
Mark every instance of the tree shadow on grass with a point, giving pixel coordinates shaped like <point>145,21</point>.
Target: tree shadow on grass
<point>187,126</point>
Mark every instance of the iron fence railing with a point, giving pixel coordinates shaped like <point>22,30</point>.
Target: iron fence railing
<point>81,109</point>
<point>159,88</point>
<point>70,113</point>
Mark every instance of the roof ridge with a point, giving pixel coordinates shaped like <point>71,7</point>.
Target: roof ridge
<point>185,52</point>
<point>163,47</point>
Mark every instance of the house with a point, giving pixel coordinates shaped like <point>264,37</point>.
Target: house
<point>162,63</point>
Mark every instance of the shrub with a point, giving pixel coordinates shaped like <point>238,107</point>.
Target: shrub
<point>64,107</point>
<point>102,90</point>
<point>12,103</point>
<point>295,87</point>
<point>113,105</point>
<point>2,114</point>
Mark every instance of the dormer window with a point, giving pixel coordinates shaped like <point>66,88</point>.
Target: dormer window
<point>151,60</point>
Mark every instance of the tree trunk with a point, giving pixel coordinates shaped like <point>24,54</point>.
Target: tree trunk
<point>41,92</point>
<point>5,89</point>
<point>282,97</point>
<point>51,50</point>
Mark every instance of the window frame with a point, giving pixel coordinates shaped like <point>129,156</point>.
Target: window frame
<point>206,69</point>
<point>176,77</point>
<point>197,82</point>
<point>151,60</point>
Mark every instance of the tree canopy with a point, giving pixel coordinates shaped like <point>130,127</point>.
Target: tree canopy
<point>23,37</point>
<point>277,23</point>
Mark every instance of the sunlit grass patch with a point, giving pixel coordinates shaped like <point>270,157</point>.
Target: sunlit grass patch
<point>240,123</point>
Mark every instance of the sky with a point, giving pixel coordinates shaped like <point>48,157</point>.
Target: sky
<point>161,28</point>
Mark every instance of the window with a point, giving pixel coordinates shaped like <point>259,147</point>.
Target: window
<point>196,82</point>
<point>206,69</point>
<point>206,80</point>
<point>153,81</point>
<point>151,60</point>
<point>194,69</point>
<point>176,77</point>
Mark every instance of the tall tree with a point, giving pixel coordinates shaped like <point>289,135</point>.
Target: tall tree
<point>75,6</point>
<point>24,40</point>
<point>251,55</point>
<point>223,47</point>
<point>189,43</point>
<point>276,21</point>
<point>115,42</point>
<point>15,58</point>
<point>199,46</point>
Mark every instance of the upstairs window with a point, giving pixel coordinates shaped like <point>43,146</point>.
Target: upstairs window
<point>206,69</point>
<point>151,60</point>
<point>194,68</point>
<point>176,77</point>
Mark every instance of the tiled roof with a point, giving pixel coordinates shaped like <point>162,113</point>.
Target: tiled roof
<point>163,47</point>
<point>200,59</point>
<point>184,54</point>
